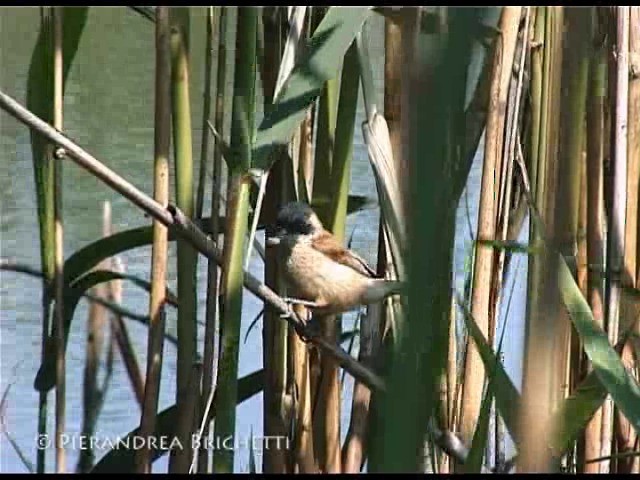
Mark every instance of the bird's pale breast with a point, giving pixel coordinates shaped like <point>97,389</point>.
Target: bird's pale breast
<point>316,277</point>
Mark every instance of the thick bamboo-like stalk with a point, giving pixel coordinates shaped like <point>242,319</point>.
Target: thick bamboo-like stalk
<point>301,371</point>
<point>59,245</point>
<point>484,257</point>
<point>187,255</point>
<point>336,187</point>
<point>625,434</point>
<point>276,403</point>
<point>617,220</point>
<point>574,85</point>
<point>543,352</point>
<point>212,312</point>
<point>570,171</point>
<point>355,448</point>
<point>438,88</point>
<point>634,98</point>
<point>536,88</point>
<point>506,180</point>
<point>186,422</point>
<point>242,125</point>
<point>160,238</point>
<point>393,66</point>
<point>343,153</point>
<point>325,139</point>
<point>213,23</point>
<point>172,217</point>
<point>304,459</point>
<point>324,376</point>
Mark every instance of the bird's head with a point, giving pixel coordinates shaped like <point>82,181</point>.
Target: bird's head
<point>294,219</point>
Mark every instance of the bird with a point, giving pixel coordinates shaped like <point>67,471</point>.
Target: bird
<point>321,273</point>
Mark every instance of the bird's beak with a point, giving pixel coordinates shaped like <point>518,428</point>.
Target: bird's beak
<point>272,241</point>
<point>273,236</point>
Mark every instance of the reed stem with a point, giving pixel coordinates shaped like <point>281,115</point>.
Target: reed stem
<point>616,227</point>
<point>59,245</point>
<point>544,350</point>
<point>209,370</point>
<point>595,226</point>
<point>213,25</point>
<point>242,127</point>
<point>187,255</point>
<point>160,241</point>
<point>484,257</point>
<point>95,341</point>
<point>277,404</point>
<point>421,347</point>
<point>627,438</point>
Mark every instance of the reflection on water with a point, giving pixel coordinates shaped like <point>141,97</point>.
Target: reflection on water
<point>109,111</point>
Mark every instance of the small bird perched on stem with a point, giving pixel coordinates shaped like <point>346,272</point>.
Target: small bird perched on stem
<point>322,274</point>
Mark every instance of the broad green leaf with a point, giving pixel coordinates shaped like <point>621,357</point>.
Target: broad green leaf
<point>45,378</point>
<point>40,102</point>
<point>576,411</point>
<point>605,361</point>
<point>320,62</point>
<point>510,246</point>
<point>506,394</point>
<point>86,258</point>
<point>480,436</point>
<point>121,459</point>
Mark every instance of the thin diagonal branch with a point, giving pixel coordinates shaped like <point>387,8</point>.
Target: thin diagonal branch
<point>184,227</point>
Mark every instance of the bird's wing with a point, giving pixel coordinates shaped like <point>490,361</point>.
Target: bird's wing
<point>327,244</point>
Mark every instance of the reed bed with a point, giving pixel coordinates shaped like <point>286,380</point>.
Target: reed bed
<point>542,100</point>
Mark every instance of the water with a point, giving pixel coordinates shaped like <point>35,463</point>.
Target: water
<point>109,111</point>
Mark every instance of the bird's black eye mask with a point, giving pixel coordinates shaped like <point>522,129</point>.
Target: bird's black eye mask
<point>293,220</point>
<point>294,225</point>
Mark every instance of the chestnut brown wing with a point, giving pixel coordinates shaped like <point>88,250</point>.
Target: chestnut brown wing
<point>327,244</point>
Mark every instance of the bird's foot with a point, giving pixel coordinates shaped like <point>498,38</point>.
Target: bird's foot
<point>298,301</point>
<point>306,328</point>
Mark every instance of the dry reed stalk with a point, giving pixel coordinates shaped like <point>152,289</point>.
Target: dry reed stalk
<point>626,437</point>
<point>484,258</point>
<point>595,226</point>
<point>212,308</point>
<point>632,464</point>
<point>160,238</point>
<point>95,338</point>
<point>616,237</point>
<point>121,335</point>
<point>354,451</point>
<point>59,245</point>
<point>303,456</point>
<point>575,71</point>
<point>544,353</point>
<point>276,401</point>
